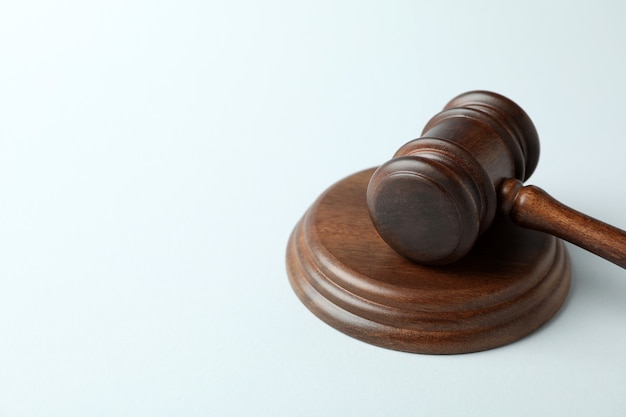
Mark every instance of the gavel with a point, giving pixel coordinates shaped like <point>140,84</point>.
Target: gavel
<point>439,193</point>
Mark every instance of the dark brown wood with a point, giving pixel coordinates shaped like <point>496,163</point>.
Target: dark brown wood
<point>533,208</point>
<point>479,280</point>
<point>511,282</point>
<point>438,194</point>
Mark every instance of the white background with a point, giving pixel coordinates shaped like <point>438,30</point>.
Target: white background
<point>155,155</point>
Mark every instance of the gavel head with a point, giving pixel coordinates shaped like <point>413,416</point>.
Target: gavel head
<point>438,193</point>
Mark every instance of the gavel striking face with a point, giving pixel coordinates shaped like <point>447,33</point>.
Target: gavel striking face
<point>442,191</point>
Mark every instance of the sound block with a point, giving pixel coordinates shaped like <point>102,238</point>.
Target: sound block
<point>513,281</point>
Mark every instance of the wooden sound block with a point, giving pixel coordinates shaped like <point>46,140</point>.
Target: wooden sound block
<point>512,281</point>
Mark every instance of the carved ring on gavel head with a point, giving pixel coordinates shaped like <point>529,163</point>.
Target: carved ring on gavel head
<point>441,192</point>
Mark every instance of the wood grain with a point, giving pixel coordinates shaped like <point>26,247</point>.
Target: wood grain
<point>533,208</point>
<point>510,283</point>
<point>438,193</point>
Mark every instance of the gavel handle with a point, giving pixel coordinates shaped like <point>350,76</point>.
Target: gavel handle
<point>532,208</point>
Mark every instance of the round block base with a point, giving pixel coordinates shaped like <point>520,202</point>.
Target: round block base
<point>512,282</point>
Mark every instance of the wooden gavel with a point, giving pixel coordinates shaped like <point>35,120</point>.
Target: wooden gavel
<point>440,192</point>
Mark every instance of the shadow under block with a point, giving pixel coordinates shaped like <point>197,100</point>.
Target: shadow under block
<point>512,282</point>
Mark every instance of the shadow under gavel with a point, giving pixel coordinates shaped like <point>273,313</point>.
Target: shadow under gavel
<point>440,192</point>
